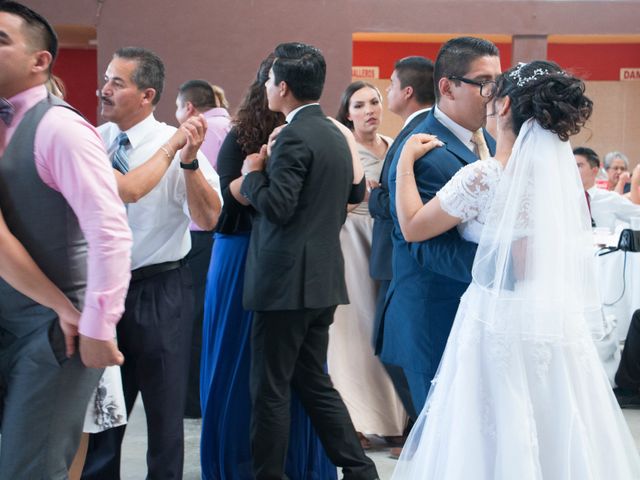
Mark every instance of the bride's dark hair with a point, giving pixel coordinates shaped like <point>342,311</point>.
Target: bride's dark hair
<point>543,91</point>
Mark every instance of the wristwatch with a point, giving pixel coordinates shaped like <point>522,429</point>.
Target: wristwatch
<point>190,166</point>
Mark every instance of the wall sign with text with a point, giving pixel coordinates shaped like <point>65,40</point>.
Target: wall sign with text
<point>365,72</point>
<point>630,73</point>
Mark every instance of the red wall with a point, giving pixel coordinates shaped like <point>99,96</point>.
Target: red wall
<point>601,61</point>
<point>78,70</point>
<point>385,54</point>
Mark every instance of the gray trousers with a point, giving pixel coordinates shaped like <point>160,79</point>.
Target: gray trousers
<point>44,398</point>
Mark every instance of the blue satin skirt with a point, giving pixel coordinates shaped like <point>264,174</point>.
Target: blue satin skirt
<point>225,452</point>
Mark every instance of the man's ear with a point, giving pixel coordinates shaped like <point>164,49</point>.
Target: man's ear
<point>148,95</point>
<point>444,86</point>
<point>42,61</point>
<point>191,110</point>
<point>283,88</point>
<point>408,92</point>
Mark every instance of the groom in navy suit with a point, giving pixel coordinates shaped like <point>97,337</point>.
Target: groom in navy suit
<point>429,277</point>
<point>410,95</point>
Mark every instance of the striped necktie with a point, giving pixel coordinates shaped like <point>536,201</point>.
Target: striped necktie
<point>120,159</point>
<point>7,111</point>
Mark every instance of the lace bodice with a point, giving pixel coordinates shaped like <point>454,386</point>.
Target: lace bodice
<point>468,195</point>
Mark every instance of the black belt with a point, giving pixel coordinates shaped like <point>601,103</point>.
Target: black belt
<point>151,270</point>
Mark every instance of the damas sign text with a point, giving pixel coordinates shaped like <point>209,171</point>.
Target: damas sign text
<point>630,73</point>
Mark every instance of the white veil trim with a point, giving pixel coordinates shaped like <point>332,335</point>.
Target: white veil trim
<point>534,263</point>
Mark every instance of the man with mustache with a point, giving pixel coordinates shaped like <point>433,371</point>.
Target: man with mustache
<point>159,186</point>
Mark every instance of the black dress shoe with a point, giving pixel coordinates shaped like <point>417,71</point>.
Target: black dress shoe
<point>627,398</point>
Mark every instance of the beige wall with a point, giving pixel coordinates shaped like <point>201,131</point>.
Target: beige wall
<point>615,123</point>
<point>224,41</point>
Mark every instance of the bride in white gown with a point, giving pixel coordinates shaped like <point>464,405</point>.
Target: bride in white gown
<point>520,393</point>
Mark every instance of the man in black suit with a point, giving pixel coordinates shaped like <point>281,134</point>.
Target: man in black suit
<point>410,96</point>
<point>295,271</point>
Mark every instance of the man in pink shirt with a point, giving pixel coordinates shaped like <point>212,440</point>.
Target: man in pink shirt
<point>197,97</point>
<point>59,198</point>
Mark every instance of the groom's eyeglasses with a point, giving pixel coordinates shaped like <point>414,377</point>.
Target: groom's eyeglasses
<point>487,87</point>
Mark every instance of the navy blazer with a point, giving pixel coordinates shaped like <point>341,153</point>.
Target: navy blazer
<point>429,277</point>
<point>381,244</point>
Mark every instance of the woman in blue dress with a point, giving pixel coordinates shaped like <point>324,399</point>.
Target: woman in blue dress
<point>224,374</point>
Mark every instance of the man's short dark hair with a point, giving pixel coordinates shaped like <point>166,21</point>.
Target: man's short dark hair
<point>150,70</point>
<point>200,93</point>
<point>417,73</point>
<point>592,157</point>
<point>456,55</point>
<point>41,33</point>
<point>303,69</point>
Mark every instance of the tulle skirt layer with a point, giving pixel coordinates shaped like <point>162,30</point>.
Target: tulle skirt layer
<point>506,407</point>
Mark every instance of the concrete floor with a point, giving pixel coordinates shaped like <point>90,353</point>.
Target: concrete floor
<point>135,444</point>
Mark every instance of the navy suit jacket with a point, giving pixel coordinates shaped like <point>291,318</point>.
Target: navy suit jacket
<point>429,277</point>
<point>381,245</point>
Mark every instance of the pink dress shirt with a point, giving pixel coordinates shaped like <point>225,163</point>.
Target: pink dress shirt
<point>218,125</point>
<point>71,159</point>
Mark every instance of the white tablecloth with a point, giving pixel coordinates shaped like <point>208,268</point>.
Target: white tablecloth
<point>609,271</point>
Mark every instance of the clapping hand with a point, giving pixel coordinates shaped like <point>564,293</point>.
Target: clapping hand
<point>194,130</point>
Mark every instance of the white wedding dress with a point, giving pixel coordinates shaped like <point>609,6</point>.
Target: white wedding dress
<point>520,393</point>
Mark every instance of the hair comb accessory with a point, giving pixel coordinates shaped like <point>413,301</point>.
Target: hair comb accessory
<point>521,81</point>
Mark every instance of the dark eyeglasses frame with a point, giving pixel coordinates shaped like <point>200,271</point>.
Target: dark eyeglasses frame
<point>491,83</point>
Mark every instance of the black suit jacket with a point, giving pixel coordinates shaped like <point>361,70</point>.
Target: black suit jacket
<point>382,246</point>
<point>294,259</point>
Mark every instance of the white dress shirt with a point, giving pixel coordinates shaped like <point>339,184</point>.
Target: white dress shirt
<point>460,132</point>
<point>414,115</point>
<point>160,220</point>
<point>293,112</point>
<point>610,208</point>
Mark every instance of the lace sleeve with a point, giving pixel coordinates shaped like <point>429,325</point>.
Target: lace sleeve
<point>470,189</point>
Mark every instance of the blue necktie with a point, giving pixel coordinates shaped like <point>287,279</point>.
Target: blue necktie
<point>120,159</point>
<point>7,111</point>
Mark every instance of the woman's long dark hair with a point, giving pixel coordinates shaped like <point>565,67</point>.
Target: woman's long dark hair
<point>254,121</point>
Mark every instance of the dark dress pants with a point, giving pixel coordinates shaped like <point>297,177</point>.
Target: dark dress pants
<point>289,350</point>
<point>198,260</point>
<point>628,374</point>
<point>154,335</point>
<point>396,373</point>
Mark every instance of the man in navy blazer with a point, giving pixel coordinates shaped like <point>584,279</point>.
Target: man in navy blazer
<point>410,96</point>
<point>429,277</point>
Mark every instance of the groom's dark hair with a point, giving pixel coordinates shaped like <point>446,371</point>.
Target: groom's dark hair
<point>302,67</point>
<point>456,55</point>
